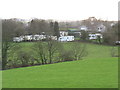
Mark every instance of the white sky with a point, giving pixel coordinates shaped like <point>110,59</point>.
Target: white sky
<point>59,9</point>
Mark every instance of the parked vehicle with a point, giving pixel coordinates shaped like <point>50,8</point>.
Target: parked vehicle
<point>117,43</point>
<point>94,36</point>
<point>33,38</point>
<point>17,39</point>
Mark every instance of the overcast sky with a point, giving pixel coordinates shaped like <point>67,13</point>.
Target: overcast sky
<point>59,9</point>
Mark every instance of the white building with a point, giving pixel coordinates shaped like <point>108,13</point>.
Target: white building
<point>84,28</point>
<point>66,38</point>
<point>101,28</point>
<point>63,33</point>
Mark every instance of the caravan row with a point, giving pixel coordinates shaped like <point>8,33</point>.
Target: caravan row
<point>42,37</point>
<point>33,38</point>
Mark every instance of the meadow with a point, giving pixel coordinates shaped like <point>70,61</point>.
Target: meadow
<point>97,70</point>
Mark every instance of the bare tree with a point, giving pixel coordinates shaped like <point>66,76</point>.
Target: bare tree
<point>46,51</point>
<point>52,47</point>
<point>76,51</point>
<point>112,34</point>
<point>24,57</point>
<point>115,52</point>
<point>10,29</point>
<point>40,48</point>
<point>79,50</point>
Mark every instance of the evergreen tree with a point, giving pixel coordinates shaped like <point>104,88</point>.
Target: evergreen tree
<point>51,27</point>
<point>56,30</point>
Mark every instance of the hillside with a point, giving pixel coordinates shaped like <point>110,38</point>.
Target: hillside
<point>97,70</point>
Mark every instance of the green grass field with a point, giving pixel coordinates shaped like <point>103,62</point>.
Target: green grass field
<point>97,70</point>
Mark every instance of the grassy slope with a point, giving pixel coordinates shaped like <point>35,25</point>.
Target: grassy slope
<point>97,70</point>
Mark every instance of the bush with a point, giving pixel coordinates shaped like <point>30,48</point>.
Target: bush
<point>67,56</point>
<point>114,52</point>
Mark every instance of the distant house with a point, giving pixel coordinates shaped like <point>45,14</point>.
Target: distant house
<point>63,33</point>
<point>101,28</point>
<point>66,38</point>
<point>74,32</point>
<point>83,28</point>
<point>113,24</point>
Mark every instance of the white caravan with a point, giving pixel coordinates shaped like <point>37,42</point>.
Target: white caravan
<point>94,36</point>
<point>66,38</point>
<point>17,39</point>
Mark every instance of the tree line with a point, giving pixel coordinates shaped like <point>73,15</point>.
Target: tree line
<point>39,53</point>
<point>47,52</point>
<point>14,54</point>
<point>14,27</point>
